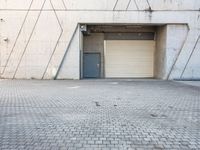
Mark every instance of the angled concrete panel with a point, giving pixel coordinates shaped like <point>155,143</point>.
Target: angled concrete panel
<point>47,5</point>
<point>37,4</point>
<point>63,45</point>
<point>184,56</point>
<point>104,4</point>
<point>142,4</point>
<point>20,45</point>
<point>192,70</point>
<point>59,4</point>
<point>90,4</point>
<point>40,47</point>
<point>133,5</point>
<point>14,4</point>
<point>175,4</point>
<point>70,68</point>
<point>176,37</point>
<point>122,5</point>
<point>8,34</point>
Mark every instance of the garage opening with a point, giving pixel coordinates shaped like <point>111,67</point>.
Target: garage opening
<point>129,59</point>
<point>114,51</point>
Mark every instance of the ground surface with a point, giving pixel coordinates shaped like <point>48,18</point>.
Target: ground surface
<point>193,83</point>
<point>99,114</point>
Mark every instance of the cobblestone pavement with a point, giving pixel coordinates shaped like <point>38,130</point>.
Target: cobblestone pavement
<point>192,83</point>
<point>99,114</point>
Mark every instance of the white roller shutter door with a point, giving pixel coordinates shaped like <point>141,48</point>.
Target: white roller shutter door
<point>129,58</point>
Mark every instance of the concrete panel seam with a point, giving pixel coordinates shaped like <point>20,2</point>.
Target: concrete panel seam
<point>190,56</point>
<point>29,39</point>
<point>64,5</point>
<point>149,4</point>
<point>17,37</point>
<point>56,41</point>
<point>115,4</point>
<point>173,65</point>
<point>106,10</point>
<point>136,4</point>
<point>128,4</point>
<point>65,54</point>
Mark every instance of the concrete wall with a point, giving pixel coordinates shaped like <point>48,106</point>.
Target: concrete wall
<point>170,40</point>
<point>176,38</point>
<point>160,53</point>
<point>35,34</point>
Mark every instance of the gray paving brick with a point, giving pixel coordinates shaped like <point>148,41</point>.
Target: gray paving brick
<point>150,114</point>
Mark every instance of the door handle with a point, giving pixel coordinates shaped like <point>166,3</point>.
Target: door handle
<point>98,65</point>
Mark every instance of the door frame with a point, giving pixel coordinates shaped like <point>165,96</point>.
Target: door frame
<point>88,52</point>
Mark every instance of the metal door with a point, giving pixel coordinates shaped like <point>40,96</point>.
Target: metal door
<point>91,65</point>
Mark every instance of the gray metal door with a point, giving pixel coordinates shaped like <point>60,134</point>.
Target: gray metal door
<point>91,65</point>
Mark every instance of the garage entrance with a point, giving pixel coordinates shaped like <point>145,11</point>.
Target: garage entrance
<point>129,58</point>
<point>124,51</point>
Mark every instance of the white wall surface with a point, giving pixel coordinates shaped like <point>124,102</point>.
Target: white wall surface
<point>176,37</point>
<point>34,34</point>
<point>160,52</point>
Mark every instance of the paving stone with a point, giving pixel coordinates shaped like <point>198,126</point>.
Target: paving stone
<point>133,114</point>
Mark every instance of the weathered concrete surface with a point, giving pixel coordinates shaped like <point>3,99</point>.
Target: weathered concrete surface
<point>160,53</point>
<point>101,114</point>
<point>35,34</point>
